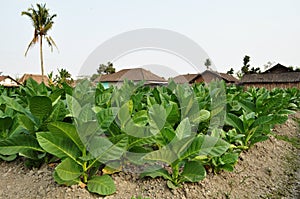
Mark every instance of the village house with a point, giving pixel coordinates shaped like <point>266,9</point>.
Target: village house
<point>35,77</point>
<point>133,74</point>
<point>7,81</point>
<point>207,76</point>
<point>278,76</point>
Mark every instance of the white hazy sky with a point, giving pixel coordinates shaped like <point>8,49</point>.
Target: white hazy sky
<point>266,30</point>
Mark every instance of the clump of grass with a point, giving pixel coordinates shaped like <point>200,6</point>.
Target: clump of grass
<point>294,140</point>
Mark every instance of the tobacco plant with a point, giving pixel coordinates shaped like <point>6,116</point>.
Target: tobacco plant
<point>182,156</point>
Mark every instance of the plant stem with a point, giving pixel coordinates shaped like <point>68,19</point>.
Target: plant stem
<point>84,166</point>
<point>175,174</point>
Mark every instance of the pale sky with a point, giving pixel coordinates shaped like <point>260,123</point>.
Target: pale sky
<point>266,30</point>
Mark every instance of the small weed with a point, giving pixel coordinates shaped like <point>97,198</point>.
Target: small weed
<point>139,197</point>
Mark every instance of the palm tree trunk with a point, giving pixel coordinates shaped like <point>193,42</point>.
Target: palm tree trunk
<point>41,57</point>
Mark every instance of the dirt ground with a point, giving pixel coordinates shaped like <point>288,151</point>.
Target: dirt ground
<point>268,170</point>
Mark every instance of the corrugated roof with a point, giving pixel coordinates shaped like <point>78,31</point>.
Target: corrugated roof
<point>134,74</point>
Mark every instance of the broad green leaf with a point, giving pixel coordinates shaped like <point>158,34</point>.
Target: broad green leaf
<point>32,154</point>
<point>40,106</point>
<point>247,105</point>
<point>157,173</point>
<point>55,96</point>
<point>19,143</point>
<point>235,121</point>
<point>86,114</point>
<point>124,114</point>
<point>88,130</point>
<point>171,185</point>
<point>138,131</point>
<point>261,121</point>
<point>104,150</point>
<point>25,124</point>
<point>157,117</point>
<point>173,114</point>
<point>73,106</point>
<point>229,158</point>
<point>58,145</point>
<point>63,182</point>
<point>259,138</point>
<point>206,145</point>
<point>184,129</point>
<point>171,152</point>
<point>59,112</point>
<point>134,142</point>
<point>279,119</point>
<point>8,157</point>
<point>193,172</point>
<point>141,118</point>
<point>106,116</point>
<point>203,115</point>
<point>213,146</point>
<point>103,185</point>
<point>68,170</point>
<point>10,102</point>
<point>5,123</point>
<point>216,111</point>
<point>67,129</point>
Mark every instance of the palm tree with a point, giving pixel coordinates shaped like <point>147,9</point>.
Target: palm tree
<point>42,22</point>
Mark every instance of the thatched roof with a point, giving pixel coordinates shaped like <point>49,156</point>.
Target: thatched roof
<point>35,77</point>
<point>187,78</point>
<point>278,68</point>
<point>229,78</point>
<point>8,81</point>
<point>134,74</point>
<point>287,77</point>
<point>206,75</point>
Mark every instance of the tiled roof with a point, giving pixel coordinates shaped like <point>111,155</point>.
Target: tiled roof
<point>35,77</point>
<point>134,74</point>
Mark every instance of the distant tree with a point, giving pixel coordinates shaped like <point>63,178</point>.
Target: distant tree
<point>103,69</point>
<point>246,67</point>
<point>230,72</point>
<point>268,65</point>
<point>254,70</point>
<point>42,22</point>
<point>93,77</point>
<point>63,77</point>
<point>207,63</point>
<point>295,69</point>
<point>106,68</point>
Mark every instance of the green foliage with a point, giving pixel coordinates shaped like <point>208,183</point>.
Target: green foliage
<point>246,67</point>
<point>175,132</point>
<point>106,69</point>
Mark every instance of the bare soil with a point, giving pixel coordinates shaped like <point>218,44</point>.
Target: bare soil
<point>270,169</point>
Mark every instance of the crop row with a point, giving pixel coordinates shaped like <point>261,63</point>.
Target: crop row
<point>177,132</point>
